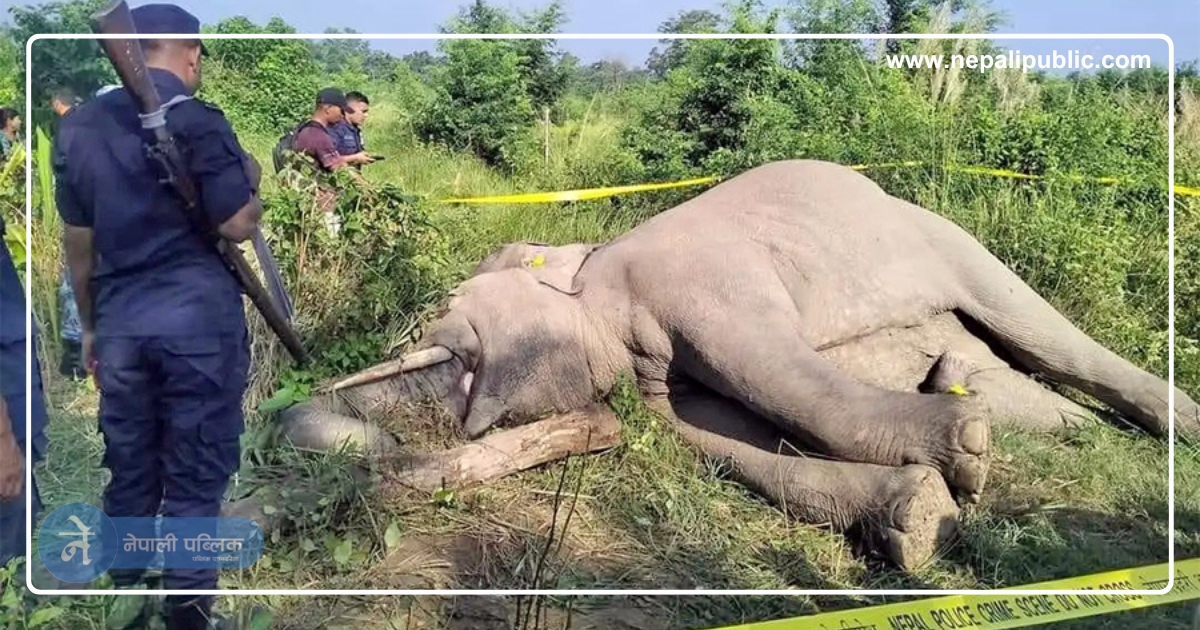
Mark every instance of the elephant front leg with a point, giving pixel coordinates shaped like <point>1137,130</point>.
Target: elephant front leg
<point>906,514</point>
<point>763,362</point>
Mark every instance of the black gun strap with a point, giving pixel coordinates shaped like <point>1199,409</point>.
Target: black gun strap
<point>158,153</point>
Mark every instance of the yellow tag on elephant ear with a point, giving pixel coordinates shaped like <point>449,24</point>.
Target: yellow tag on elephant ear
<point>537,261</point>
<point>958,390</point>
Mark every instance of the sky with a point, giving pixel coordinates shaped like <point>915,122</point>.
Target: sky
<point>1178,19</point>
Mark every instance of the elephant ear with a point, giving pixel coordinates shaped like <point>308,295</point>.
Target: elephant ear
<point>508,256</point>
<point>557,267</point>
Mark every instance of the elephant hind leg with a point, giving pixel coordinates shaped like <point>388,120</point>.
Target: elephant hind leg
<point>906,514</point>
<point>1042,340</point>
<point>947,347</point>
<point>1010,398</point>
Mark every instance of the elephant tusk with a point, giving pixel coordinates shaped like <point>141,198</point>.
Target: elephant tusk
<point>418,360</point>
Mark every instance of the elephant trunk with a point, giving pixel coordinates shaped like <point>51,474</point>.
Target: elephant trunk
<point>312,426</point>
<point>485,412</point>
<point>346,411</point>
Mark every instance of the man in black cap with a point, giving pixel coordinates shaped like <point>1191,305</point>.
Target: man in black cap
<point>164,329</point>
<point>314,139</point>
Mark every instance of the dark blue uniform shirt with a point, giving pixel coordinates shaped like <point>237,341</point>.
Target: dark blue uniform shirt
<point>154,274</point>
<point>13,374</point>
<point>346,137</point>
<point>12,307</point>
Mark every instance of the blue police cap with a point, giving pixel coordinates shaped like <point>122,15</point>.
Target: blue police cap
<point>150,19</point>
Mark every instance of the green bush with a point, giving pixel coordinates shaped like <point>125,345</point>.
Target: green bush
<point>74,63</point>
<point>479,103</point>
<point>366,287</point>
<point>263,85</point>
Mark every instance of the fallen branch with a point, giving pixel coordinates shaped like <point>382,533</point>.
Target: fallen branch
<point>507,452</point>
<point>487,459</point>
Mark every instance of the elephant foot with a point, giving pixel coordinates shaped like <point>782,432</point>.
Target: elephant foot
<point>964,434</point>
<point>918,518</point>
<point>1155,415</point>
<point>968,468</point>
<point>1187,418</point>
<point>957,442</point>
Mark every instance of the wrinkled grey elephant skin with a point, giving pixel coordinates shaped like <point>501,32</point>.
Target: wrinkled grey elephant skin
<point>795,303</point>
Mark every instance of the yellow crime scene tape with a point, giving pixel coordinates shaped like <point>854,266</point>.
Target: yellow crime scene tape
<point>588,194</point>
<point>1000,610</point>
<point>583,194</point>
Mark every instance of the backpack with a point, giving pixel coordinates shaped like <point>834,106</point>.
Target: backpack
<point>286,144</point>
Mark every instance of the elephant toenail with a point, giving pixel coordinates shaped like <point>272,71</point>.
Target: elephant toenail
<point>974,437</point>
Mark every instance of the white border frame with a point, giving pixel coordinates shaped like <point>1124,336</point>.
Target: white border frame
<point>1170,167</point>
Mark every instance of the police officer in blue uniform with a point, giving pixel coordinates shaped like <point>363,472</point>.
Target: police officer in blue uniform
<point>17,449</point>
<point>64,102</point>
<point>164,329</point>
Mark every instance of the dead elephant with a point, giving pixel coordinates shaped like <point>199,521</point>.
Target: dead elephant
<point>795,302</point>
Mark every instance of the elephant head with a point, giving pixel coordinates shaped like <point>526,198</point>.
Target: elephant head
<point>514,342</point>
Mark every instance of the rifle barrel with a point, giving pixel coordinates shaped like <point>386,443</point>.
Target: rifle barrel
<point>260,299</point>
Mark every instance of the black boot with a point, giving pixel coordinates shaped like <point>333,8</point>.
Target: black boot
<point>191,614</point>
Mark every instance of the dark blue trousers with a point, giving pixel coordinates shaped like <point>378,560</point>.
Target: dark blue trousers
<point>171,417</point>
<point>13,532</point>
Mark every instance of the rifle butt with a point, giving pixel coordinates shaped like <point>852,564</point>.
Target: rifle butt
<point>126,54</point>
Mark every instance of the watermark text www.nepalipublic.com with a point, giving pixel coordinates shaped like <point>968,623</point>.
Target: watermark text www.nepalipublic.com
<point>1072,60</point>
